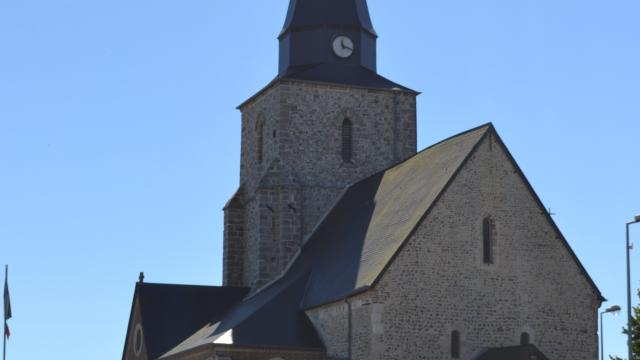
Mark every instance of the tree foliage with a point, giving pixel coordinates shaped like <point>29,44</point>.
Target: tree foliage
<point>635,335</point>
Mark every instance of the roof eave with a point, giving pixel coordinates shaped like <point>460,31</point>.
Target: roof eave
<point>358,291</point>
<point>279,79</point>
<point>549,218</point>
<point>133,305</point>
<point>288,30</point>
<point>213,346</point>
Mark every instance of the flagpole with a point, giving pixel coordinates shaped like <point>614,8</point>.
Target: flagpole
<point>4,329</point>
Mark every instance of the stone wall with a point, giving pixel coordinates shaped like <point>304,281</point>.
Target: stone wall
<point>279,232</point>
<point>234,242</point>
<point>439,282</point>
<point>352,328</point>
<point>311,124</point>
<point>299,172</point>
<point>332,324</point>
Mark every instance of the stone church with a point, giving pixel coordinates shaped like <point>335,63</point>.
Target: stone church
<point>344,242</point>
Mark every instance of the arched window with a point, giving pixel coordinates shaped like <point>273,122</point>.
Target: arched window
<point>487,241</point>
<point>525,339</point>
<point>260,139</point>
<point>455,344</point>
<point>347,140</point>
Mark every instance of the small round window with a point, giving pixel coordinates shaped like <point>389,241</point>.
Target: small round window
<point>137,340</point>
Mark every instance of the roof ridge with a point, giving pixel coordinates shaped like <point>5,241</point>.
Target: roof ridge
<point>190,286</point>
<point>547,215</point>
<point>513,347</point>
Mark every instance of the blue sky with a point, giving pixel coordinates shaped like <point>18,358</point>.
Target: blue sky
<point>119,138</point>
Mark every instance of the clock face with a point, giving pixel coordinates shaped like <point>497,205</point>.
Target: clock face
<point>343,46</point>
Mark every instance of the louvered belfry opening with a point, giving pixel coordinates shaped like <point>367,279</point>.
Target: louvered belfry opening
<point>347,140</point>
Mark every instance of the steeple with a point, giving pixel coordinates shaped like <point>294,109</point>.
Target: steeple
<point>334,32</point>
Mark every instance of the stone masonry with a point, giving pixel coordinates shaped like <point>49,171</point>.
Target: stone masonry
<point>292,170</point>
<point>439,282</point>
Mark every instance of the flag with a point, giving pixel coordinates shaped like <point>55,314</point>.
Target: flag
<point>7,303</point>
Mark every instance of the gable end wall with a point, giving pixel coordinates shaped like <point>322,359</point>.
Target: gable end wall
<point>439,282</point>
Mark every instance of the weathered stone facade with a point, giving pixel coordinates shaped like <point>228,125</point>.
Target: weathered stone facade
<point>292,167</point>
<point>352,328</point>
<point>439,282</point>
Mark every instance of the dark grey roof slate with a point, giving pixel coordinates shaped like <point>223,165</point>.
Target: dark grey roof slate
<point>346,253</point>
<point>171,313</point>
<point>351,247</point>
<point>343,74</point>
<point>305,14</point>
<point>524,352</point>
<point>273,318</point>
<point>367,227</point>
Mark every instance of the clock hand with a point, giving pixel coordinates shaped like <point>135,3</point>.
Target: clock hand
<point>345,46</point>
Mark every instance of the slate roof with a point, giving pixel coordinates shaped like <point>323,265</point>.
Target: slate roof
<point>171,313</point>
<point>524,352</point>
<point>346,253</point>
<point>271,319</point>
<point>343,74</point>
<point>350,249</point>
<point>304,14</point>
<point>353,245</point>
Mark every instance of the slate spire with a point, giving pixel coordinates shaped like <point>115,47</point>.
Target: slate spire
<point>316,31</point>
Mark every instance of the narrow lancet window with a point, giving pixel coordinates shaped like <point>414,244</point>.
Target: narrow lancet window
<point>260,139</point>
<point>347,141</point>
<point>487,240</point>
<point>455,345</point>
<point>525,339</point>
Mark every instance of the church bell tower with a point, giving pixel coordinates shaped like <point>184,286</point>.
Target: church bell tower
<point>327,120</point>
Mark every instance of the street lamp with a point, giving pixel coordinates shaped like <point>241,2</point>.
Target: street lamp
<point>629,324</point>
<point>613,309</point>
